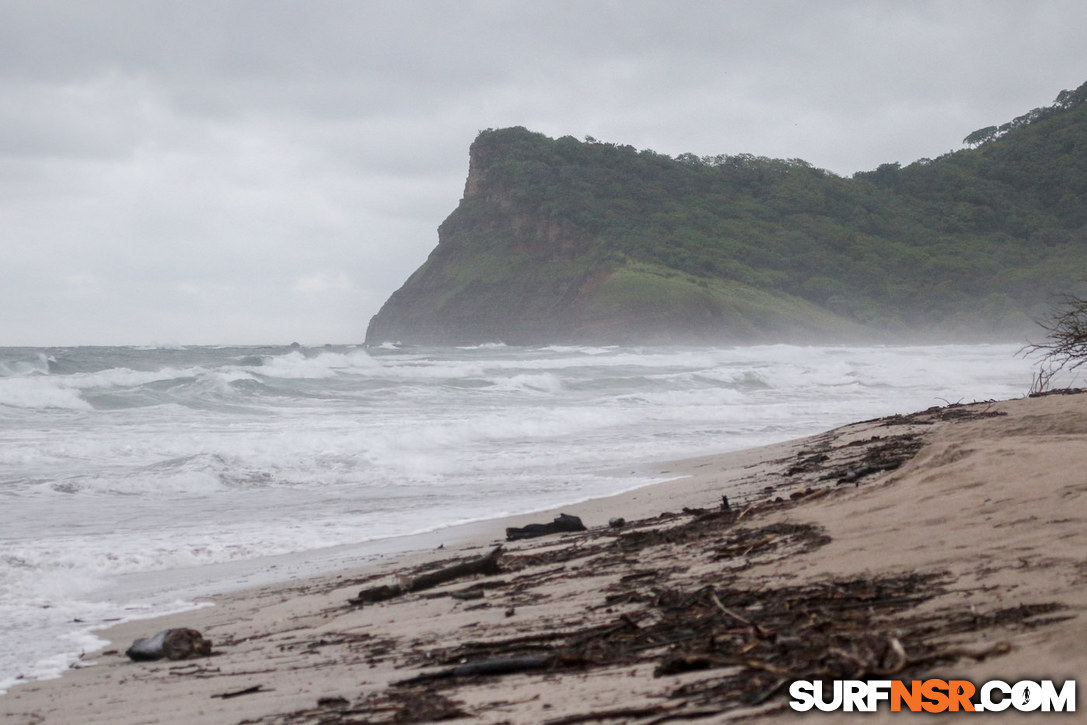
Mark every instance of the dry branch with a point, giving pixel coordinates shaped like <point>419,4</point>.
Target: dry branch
<point>483,565</point>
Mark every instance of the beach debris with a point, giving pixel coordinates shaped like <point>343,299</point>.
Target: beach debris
<point>880,454</point>
<point>690,592</point>
<point>239,693</point>
<point>617,522</point>
<point>472,591</point>
<point>333,701</point>
<point>937,413</point>
<point>482,565</point>
<point>562,523</point>
<point>810,461</point>
<point>172,644</point>
<point>751,641</point>
<point>192,669</point>
<point>396,706</point>
<point>755,636</point>
<point>625,713</point>
<point>1057,391</point>
<point>854,475</point>
<point>490,666</point>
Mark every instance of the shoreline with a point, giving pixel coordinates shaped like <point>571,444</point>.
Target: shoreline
<point>234,578</point>
<point>990,527</point>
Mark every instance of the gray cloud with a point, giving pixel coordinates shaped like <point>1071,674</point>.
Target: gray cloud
<point>264,171</point>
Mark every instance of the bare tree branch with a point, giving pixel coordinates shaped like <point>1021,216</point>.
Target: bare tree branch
<point>1065,347</point>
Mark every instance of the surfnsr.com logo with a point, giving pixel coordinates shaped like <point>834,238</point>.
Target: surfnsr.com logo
<point>932,696</point>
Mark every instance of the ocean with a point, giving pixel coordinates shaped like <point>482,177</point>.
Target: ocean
<point>134,480</point>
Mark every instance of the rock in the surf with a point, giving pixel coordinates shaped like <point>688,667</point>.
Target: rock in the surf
<point>172,644</point>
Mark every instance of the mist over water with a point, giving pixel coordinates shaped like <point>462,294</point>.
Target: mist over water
<point>134,479</point>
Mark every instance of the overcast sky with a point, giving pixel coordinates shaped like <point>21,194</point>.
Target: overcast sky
<point>265,171</point>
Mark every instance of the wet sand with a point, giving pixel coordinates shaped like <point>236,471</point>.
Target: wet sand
<point>950,543</point>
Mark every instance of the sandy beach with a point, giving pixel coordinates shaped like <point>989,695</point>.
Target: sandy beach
<point>948,543</point>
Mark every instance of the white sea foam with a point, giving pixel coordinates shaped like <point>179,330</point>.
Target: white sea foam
<point>529,383</point>
<point>484,346</point>
<point>323,365</point>
<point>40,392</point>
<point>35,364</point>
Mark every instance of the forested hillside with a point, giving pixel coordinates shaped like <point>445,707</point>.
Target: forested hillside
<point>567,240</point>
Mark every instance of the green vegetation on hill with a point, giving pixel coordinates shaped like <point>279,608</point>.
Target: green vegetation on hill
<point>561,239</point>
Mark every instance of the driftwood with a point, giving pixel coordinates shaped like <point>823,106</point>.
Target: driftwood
<point>494,666</point>
<point>483,565</point>
<point>562,522</point>
<point>238,693</point>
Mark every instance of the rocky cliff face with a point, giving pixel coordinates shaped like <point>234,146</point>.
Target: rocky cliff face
<point>500,272</point>
<point>519,268</point>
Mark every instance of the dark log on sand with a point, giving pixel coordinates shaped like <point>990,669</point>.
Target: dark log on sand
<point>562,522</point>
<point>483,565</point>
